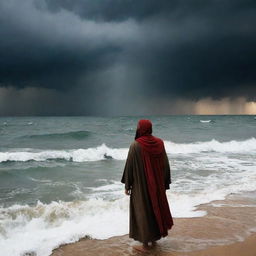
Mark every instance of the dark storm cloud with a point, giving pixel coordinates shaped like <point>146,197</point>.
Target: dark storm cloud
<point>37,49</point>
<point>115,52</point>
<point>118,10</point>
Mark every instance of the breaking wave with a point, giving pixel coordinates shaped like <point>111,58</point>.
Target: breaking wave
<point>77,155</point>
<point>233,146</point>
<point>37,230</point>
<point>104,152</point>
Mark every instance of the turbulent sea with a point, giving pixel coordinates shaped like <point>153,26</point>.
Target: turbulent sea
<point>60,176</point>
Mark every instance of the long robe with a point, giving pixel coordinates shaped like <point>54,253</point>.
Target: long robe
<point>143,225</point>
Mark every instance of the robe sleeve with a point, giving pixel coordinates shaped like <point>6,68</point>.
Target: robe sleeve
<point>167,172</point>
<point>127,178</point>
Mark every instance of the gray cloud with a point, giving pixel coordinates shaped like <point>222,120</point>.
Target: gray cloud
<point>104,54</point>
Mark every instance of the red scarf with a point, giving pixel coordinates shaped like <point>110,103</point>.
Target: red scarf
<point>152,150</point>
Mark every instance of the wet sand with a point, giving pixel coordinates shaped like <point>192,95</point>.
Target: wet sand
<point>227,230</point>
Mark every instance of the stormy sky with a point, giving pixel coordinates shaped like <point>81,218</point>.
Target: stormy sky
<point>126,57</point>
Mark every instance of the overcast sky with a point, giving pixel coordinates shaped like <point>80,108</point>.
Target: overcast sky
<point>126,57</point>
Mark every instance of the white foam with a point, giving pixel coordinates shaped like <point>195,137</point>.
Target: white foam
<point>103,152</point>
<point>77,155</point>
<point>205,121</point>
<point>197,180</point>
<point>43,227</point>
<point>246,146</point>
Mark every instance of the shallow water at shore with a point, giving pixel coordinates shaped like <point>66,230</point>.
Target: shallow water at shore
<point>228,223</point>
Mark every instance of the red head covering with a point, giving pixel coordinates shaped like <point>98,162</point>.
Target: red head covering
<point>144,127</point>
<point>152,152</point>
<point>150,143</point>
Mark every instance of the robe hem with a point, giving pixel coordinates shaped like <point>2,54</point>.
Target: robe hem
<point>146,241</point>
<point>152,239</point>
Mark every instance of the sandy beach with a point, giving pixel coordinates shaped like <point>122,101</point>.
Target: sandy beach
<point>227,229</point>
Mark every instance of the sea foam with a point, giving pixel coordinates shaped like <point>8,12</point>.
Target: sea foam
<point>212,175</point>
<point>104,152</point>
<point>43,227</point>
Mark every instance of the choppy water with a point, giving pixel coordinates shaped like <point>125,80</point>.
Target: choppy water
<point>60,176</point>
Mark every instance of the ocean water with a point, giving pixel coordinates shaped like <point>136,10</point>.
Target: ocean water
<point>60,176</point>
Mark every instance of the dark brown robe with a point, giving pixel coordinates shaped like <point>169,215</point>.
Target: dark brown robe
<point>143,225</point>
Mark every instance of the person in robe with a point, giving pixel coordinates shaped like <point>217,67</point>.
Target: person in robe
<point>146,177</point>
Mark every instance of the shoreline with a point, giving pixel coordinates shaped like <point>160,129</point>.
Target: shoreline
<point>112,247</point>
<point>228,229</point>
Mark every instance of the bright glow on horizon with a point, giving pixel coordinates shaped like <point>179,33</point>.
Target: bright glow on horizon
<point>250,107</point>
<point>227,106</point>
<point>206,106</point>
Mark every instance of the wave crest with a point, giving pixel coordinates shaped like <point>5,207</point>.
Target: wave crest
<point>77,155</point>
<point>233,146</point>
<point>104,152</point>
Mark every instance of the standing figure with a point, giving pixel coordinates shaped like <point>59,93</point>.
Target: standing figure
<point>146,177</point>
